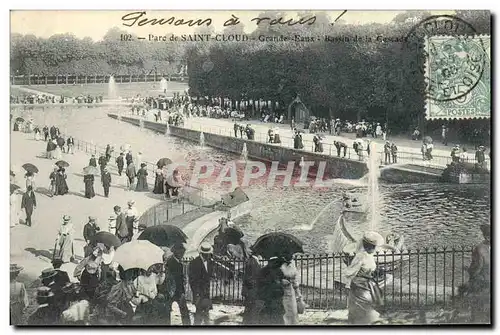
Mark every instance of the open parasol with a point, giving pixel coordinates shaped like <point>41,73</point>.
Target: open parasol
<point>30,168</point>
<point>163,162</point>
<point>163,235</point>
<point>108,239</point>
<point>19,119</point>
<point>427,140</point>
<point>60,141</point>
<point>277,244</point>
<point>62,164</point>
<point>13,188</point>
<point>138,254</point>
<point>90,170</point>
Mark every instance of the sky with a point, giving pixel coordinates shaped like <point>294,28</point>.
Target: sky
<point>95,24</point>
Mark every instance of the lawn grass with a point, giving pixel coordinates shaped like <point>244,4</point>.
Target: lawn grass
<point>124,90</point>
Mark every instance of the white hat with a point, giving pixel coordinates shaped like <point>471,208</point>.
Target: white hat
<point>205,248</point>
<point>373,238</point>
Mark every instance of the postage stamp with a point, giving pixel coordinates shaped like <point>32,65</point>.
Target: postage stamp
<point>458,77</point>
<point>267,167</point>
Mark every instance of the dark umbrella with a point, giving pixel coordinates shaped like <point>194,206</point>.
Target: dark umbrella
<point>164,161</point>
<point>163,235</point>
<point>19,119</point>
<point>90,170</point>
<point>62,164</point>
<point>277,244</point>
<point>60,141</point>
<point>233,235</point>
<point>108,239</point>
<point>30,168</point>
<point>13,188</point>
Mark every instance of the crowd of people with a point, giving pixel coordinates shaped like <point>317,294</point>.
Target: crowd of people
<point>34,99</point>
<point>100,291</point>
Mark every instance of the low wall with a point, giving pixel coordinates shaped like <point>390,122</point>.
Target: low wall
<point>335,167</point>
<point>410,175</point>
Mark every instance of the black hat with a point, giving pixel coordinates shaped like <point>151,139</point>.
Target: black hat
<point>44,292</point>
<point>48,273</point>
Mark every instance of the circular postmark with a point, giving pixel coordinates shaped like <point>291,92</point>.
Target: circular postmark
<point>449,54</point>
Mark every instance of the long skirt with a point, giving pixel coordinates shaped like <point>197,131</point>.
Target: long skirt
<point>89,189</point>
<point>142,184</point>
<point>15,213</point>
<point>57,153</point>
<point>65,250</point>
<point>61,187</point>
<point>361,306</point>
<point>290,304</point>
<point>158,189</point>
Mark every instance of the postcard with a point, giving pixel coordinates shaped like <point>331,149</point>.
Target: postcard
<point>243,168</point>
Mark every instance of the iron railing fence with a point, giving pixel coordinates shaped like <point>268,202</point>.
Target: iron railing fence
<point>413,278</point>
<point>95,79</point>
<point>160,213</point>
<point>329,149</point>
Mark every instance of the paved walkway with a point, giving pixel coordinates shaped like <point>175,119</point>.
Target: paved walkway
<point>32,247</point>
<point>408,150</point>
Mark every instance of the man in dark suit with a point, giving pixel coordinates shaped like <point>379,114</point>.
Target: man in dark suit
<point>121,225</point>
<point>106,181</point>
<point>102,162</point>
<point>173,287</point>
<point>28,202</point>
<point>90,229</point>
<point>200,273</point>
<point>249,290</point>
<point>61,277</point>
<point>120,163</point>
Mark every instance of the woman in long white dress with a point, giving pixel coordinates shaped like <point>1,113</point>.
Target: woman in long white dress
<point>364,292</point>
<point>15,208</point>
<point>64,241</point>
<point>292,298</point>
<point>57,153</point>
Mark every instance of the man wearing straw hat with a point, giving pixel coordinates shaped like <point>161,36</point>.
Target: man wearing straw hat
<point>200,273</point>
<point>18,296</point>
<point>46,314</point>
<point>479,286</point>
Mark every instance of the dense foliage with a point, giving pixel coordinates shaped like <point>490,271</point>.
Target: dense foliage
<point>359,78</point>
<point>365,71</point>
<point>65,54</point>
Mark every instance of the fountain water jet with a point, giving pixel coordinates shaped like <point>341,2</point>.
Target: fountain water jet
<point>202,140</point>
<point>311,225</point>
<point>373,189</point>
<point>244,152</point>
<point>163,85</point>
<point>112,91</point>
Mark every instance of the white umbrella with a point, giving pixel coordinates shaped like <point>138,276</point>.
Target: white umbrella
<point>138,254</point>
